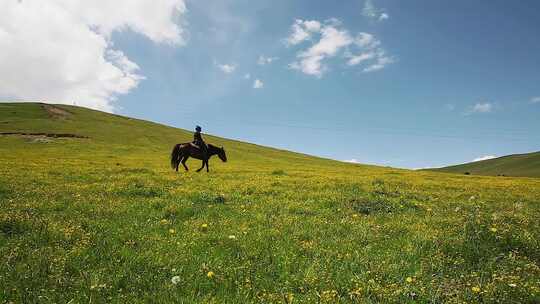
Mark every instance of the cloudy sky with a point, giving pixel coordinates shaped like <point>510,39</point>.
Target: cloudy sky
<point>400,83</point>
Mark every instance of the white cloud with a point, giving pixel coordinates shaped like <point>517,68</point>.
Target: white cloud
<point>421,168</point>
<point>258,84</point>
<point>302,30</point>
<point>353,161</point>
<point>381,62</point>
<point>535,99</point>
<point>369,9</point>
<point>266,60</point>
<point>332,40</point>
<point>154,20</point>
<point>374,13</point>
<point>227,68</point>
<point>371,50</point>
<point>335,39</point>
<point>366,41</point>
<point>312,25</point>
<point>486,157</point>
<point>61,50</point>
<point>485,107</point>
<point>354,60</point>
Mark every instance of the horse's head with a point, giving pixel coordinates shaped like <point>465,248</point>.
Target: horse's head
<point>222,155</point>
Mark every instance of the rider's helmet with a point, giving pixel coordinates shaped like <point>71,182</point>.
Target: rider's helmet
<point>198,129</point>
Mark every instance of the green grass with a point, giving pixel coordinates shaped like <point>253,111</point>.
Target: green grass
<point>104,219</point>
<point>524,165</point>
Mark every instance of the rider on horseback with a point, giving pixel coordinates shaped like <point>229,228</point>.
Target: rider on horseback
<point>198,141</point>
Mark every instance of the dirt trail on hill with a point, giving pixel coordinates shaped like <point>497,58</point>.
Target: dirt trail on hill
<point>53,135</point>
<point>56,112</point>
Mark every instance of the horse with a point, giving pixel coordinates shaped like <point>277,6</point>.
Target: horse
<point>181,153</point>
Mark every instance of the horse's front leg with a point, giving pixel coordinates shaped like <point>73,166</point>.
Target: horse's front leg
<point>207,170</point>
<point>203,163</point>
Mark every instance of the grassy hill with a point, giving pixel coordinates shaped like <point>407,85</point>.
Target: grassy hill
<point>512,165</point>
<point>91,212</point>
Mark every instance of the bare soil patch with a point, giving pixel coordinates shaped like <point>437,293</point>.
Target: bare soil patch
<point>50,135</point>
<point>56,112</point>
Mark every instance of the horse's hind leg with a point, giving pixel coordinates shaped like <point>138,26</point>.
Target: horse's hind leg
<point>184,163</point>
<point>207,169</point>
<point>177,164</point>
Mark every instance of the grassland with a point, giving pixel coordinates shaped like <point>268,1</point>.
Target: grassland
<point>103,219</point>
<point>524,165</point>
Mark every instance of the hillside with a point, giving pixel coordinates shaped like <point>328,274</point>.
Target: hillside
<point>526,165</point>
<point>109,133</point>
<point>92,212</point>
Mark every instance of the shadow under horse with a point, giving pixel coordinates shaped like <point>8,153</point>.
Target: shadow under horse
<point>181,153</point>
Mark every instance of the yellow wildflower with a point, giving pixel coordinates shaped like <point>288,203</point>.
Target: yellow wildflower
<point>172,231</point>
<point>493,229</point>
<point>476,289</point>
<point>409,279</point>
<point>210,274</point>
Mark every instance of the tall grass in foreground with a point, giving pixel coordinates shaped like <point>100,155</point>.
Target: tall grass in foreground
<point>101,220</point>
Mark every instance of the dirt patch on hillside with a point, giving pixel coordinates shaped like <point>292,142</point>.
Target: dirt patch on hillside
<point>56,112</point>
<point>43,135</point>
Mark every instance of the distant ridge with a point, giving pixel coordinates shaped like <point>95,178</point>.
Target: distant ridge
<point>520,165</point>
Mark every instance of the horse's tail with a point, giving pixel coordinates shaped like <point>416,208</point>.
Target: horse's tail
<point>175,156</point>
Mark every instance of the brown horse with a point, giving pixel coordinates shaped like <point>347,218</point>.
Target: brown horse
<point>181,153</point>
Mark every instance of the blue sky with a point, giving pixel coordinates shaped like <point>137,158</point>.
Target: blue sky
<point>438,82</point>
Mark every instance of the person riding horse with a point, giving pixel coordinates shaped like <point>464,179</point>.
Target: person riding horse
<point>198,141</point>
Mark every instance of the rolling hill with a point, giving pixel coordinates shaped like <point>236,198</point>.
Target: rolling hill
<point>90,211</point>
<point>109,133</point>
<point>526,165</point>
